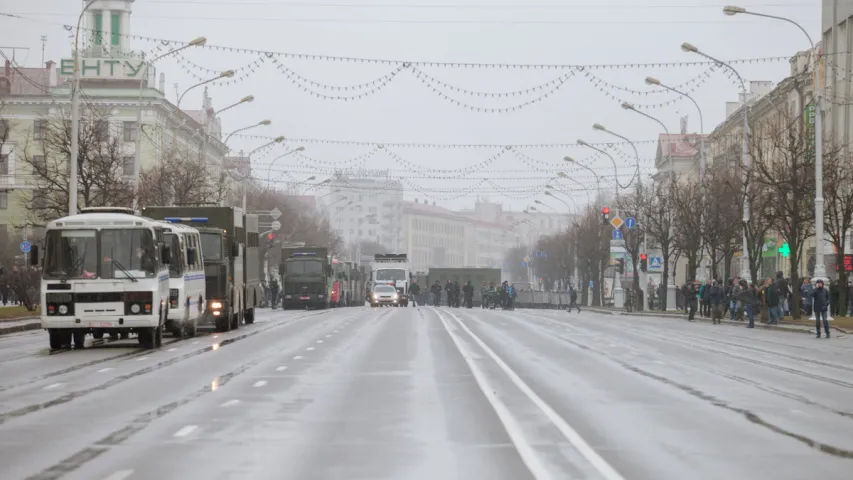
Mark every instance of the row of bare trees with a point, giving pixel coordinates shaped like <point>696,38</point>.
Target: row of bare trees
<point>702,222</point>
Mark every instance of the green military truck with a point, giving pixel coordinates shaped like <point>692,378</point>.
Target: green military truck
<point>476,275</point>
<point>306,277</point>
<point>230,248</point>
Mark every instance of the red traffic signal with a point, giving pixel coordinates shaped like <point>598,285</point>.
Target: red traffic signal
<point>270,236</point>
<point>605,210</point>
<point>643,256</point>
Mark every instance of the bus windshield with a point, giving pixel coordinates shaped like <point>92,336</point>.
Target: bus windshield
<point>129,250</point>
<point>391,274</point>
<point>71,254</point>
<point>211,247</point>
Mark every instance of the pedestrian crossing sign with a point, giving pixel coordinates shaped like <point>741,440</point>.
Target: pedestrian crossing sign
<point>655,263</point>
<point>617,222</point>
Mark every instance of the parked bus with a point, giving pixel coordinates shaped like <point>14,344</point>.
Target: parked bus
<point>186,279</point>
<point>105,270</point>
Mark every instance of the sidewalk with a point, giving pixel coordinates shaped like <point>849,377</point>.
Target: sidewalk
<point>683,317</point>
<point>19,325</point>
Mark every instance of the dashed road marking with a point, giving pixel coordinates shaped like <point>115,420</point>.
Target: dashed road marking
<point>327,336</point>
<point>319,341</point>
<point>230,403</point>
<point>309,348</point>
<point>216,336</point>
<point>281,369</point>
<point>334,331</point>
<point>298,357</point>
<point>171,349</point>
<point>194,343</point>
<point>105,369</point>
<point>185,431</point>
<point>260,383</point>
<point>120,475</point>
<point>55,385</point>
<point>141,359</point>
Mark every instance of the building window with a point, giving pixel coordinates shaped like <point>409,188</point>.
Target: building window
<point>4,164</point>
<point>39,200</point>
<point>4,200</point>
<point>115,24</point>
<point>127,165</point>
<point>99,28</point>
<point>39,165</point>
<point>40,129</point>
<point>129,131</point>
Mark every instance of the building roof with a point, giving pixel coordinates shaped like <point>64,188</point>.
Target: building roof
<point>679,145</point>
<point>27,81</point>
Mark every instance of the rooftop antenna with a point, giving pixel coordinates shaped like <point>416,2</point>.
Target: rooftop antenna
<point>43,45</point>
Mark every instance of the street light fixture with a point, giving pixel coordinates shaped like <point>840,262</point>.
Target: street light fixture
<point>600,127</point>
<point>269,169</point>
<point>259,124</point>
<point>246,99</point>
<point>820,266</point>
<point>137,154</point>
<point>225,74</point>
<point>703,162</point>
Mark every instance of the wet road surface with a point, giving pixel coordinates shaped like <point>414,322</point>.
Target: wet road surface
<point>424,393</point>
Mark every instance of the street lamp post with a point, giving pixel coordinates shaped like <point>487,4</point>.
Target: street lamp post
<point>744,268</point>
<point>262,123</point>
<point>820,265</point>
<point>137,154</point>
<point>703,161</point>
<point>75,119</point>
<point>597,178</point>
<point>628,106</point>
<point>225,74</point>
<point>278,139</point>
<point>269,169</point>
<point>618,291</point>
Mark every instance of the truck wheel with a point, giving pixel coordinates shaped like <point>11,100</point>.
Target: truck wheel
<point>250,316</point>
<point>235,321</point>
<point>190,328</point>
<point>145,336</point>
<point>158,336</point>
<point>97,335</point>
<point>58,339</point>
<point>222,323</point>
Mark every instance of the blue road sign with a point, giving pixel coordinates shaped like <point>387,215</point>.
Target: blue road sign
<point>590,284</point>
<point>525,264</point>
<point>630,222</point>
<point>617,234</point>
<point>655,263</point>
<point>541,255</point>
<point>26,246</point>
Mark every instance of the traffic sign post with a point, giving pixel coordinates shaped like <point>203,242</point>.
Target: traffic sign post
<point>276,225</point>
<point>26,246</point>
<point>275,213</point>
<point>617,222</point>
<point>655,263</point>
<point>617,234</point>
<point>631,222</point>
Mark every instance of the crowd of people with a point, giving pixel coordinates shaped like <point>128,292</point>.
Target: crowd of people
<point>770,300</point>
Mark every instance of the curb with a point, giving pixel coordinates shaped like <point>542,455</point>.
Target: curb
<point>18,319</point>
<point>20,328</point>
<point>792,328</point>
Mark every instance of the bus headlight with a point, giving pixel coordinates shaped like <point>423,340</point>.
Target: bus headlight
<point>134,309</point>
<point>63,309</point>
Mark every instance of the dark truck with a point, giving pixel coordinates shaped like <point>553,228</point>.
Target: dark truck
<point>306,277</point>
<point>462,275</point>
<point>229,246</point>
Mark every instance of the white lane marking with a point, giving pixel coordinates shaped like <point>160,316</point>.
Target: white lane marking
<point>281,369</point>
<point>230,403</point>
<point>55,385</point>
<point>195,342</point>
<point>298,357</point>
<point>120,475</point>
<point>171,349</point>
<point>105,369</point>
<point>216,336</point>
<point>604,468</point>
<point>309,348</point>
<point>185,431</point>
<point>260,383</point>
<point>327,336</point>
<point>141,359</point>
<point>319,341</point>
<point>511,425</point>
<point>334,331</point>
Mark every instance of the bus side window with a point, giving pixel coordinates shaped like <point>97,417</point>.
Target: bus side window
<point>184,247</point>
<point>194,242</point>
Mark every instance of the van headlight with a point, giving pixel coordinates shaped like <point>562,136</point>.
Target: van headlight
<point>216,305</point>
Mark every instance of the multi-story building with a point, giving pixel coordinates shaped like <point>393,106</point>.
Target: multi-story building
<point>112,78</point>
<point>434,236</point>
<point>376,211</point>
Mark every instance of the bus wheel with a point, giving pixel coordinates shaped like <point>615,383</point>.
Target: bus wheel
<point>145,336</point>
<point>190,328</point>
<point>250,316</point>
<point>79,340</point>
<point>58,339</point>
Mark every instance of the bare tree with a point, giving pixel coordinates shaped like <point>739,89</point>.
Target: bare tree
<point>180,177</point>
<point>19,277</point>
<point>759,225</point>
<point>784,166</point>
<point>557,265</point>
<point>686,200</point>
<point>100,169</point>
<point>838,210</point>
<point>592,241</point>
<point>659,222</point>
<point>722,219</point>
<point>514,259</point>
<point>632,205</point>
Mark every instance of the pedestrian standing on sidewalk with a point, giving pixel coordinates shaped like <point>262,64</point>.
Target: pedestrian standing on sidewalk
<point>748,296</point>
<point>806,290</point>
<point>718,301</point>
<point>821,304</point>
<point>692,300</point>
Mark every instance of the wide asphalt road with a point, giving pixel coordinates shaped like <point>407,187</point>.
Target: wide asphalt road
<point>427,394</point>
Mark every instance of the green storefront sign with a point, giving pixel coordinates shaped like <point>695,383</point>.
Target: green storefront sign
<point>104,68</point>
<point>769,248</point>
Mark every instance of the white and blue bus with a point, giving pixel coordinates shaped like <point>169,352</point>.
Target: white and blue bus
<point>186,279</point>
<point>104,270</point>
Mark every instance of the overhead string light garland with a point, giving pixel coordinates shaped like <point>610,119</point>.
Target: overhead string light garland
<point>375,85</point>
<point>603,87</point>
<point>698,78</point>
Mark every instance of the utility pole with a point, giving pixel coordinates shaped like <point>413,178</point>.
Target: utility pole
<point>43,45</point>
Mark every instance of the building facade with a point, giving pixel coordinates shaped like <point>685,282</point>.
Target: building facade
<point>376,211</point>
<point>434,236</point>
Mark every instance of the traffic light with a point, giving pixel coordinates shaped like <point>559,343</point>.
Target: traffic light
<point>605,216</point>
<point>620,265</point>
<point>270,236</point>
<point>644,262</point>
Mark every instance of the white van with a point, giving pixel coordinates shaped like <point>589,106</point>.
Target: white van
<point>186,279</point>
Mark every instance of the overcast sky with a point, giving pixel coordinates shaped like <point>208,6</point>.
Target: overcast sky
<point>576,32</point>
